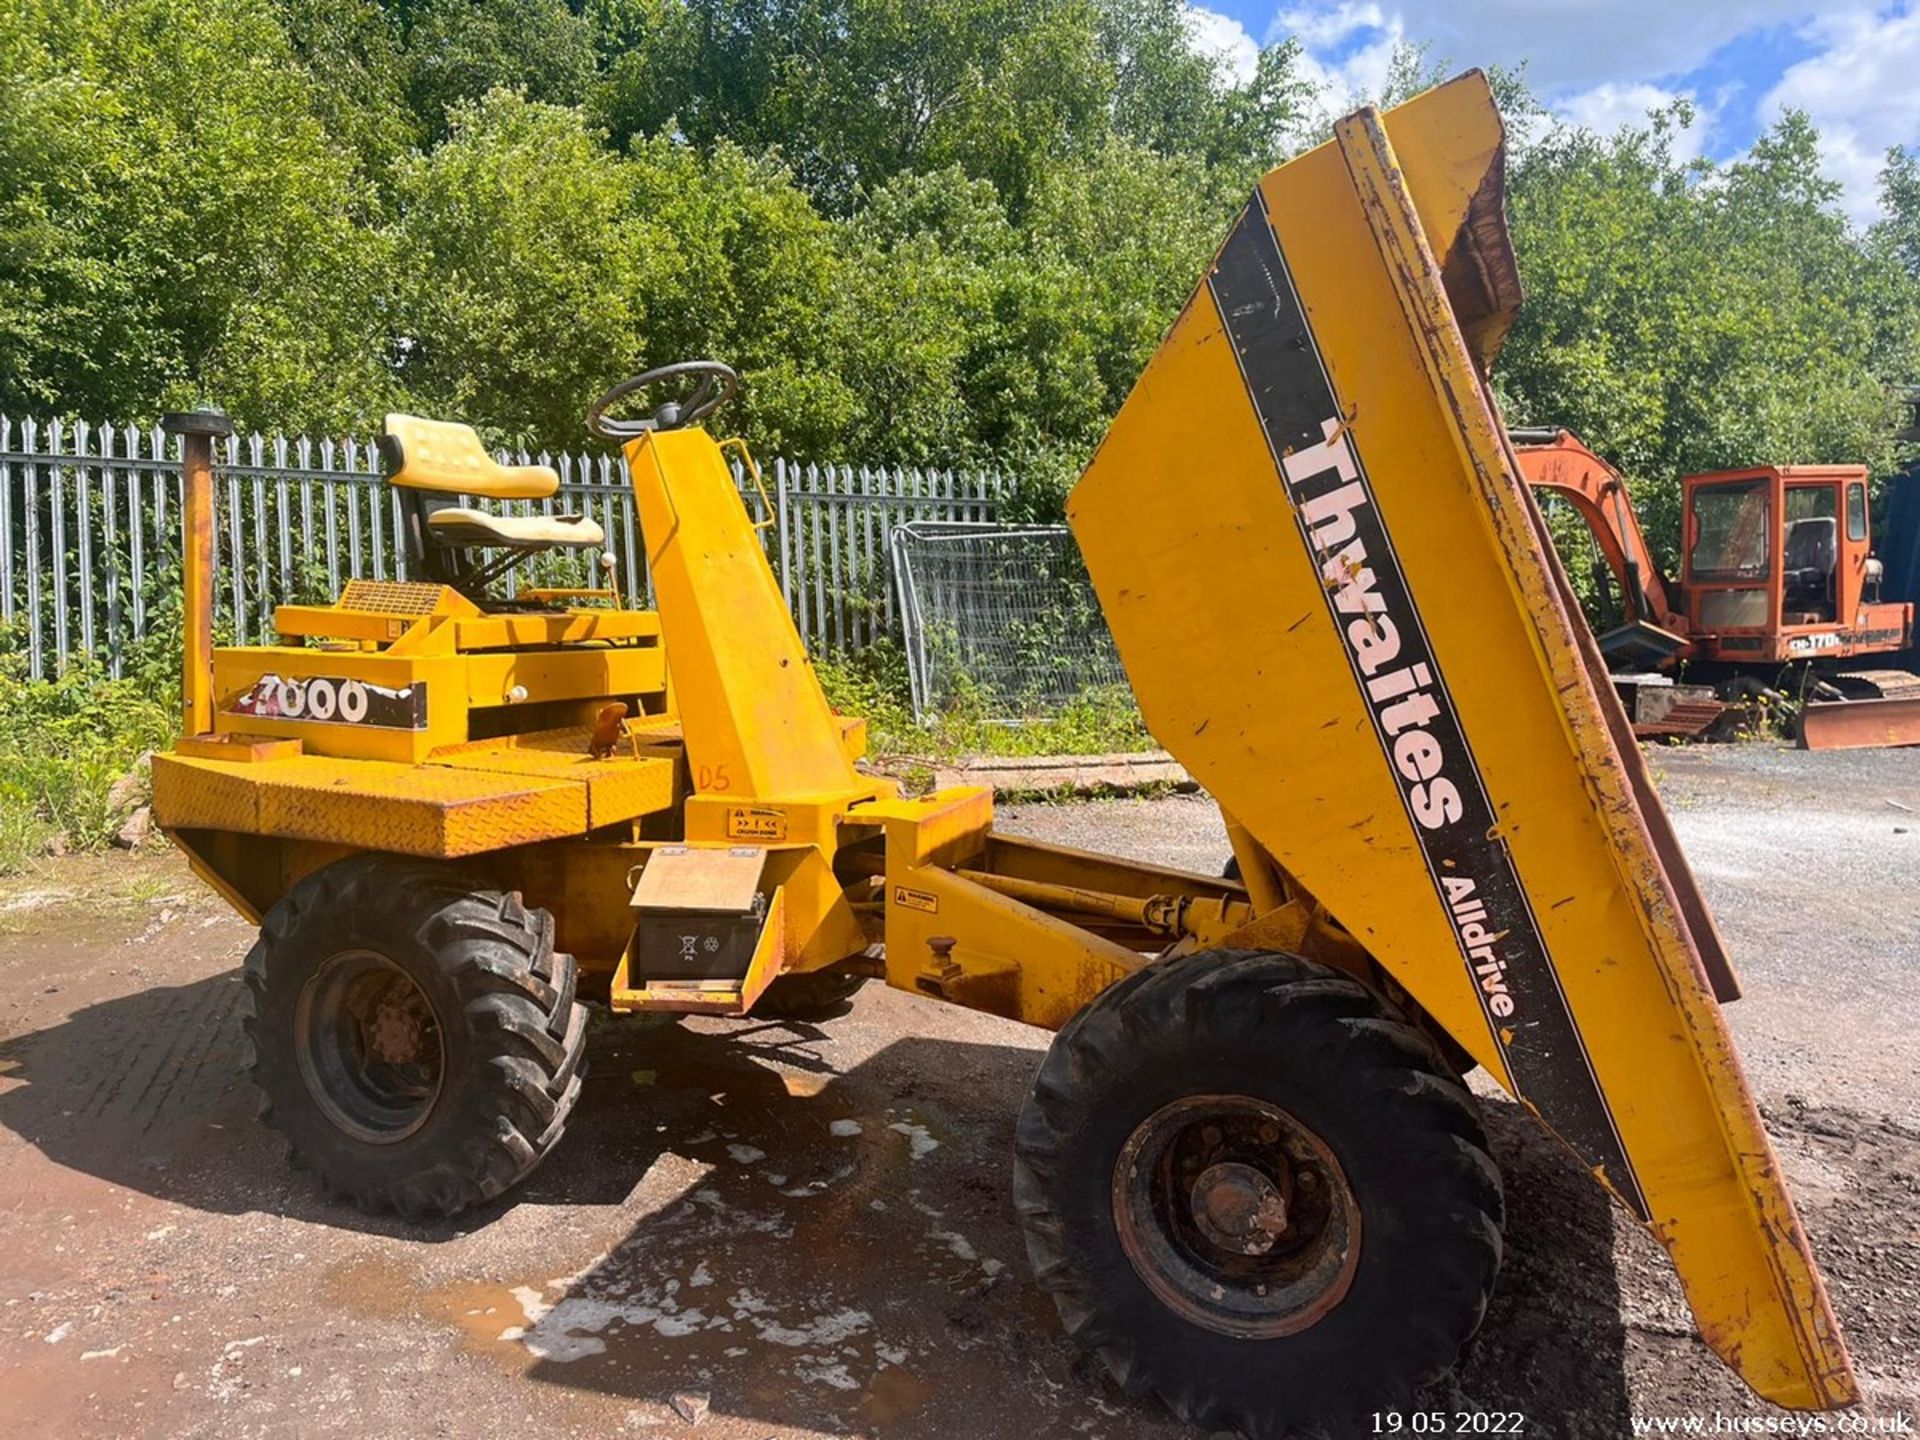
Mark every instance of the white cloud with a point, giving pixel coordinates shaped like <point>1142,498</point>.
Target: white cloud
<point>1605,63</point>
<point>1862,94</point>
<point>1346,50</point>
<point>1320,28</point>
<point>1568,44</point>
<point>1225,40</point>
<point>1614,106</point>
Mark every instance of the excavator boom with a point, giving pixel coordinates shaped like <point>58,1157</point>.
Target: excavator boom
<point>1554,462</point>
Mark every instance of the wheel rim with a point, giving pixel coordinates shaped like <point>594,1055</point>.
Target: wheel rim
<point>369,1046</point>
<point>1236,1216</point>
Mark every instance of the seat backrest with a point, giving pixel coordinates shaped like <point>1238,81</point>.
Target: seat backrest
<point>1813,544</point>
<point>443,456</point>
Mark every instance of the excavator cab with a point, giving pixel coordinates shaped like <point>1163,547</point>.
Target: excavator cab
<point>1776,566</point>
<point>1779,566</point>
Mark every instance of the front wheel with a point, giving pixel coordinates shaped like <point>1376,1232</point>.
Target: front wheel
<point>414,1035</point>
<point>811,995</point>
<point>1256,1192</point>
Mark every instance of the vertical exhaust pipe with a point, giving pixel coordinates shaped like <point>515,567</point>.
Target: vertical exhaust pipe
<point>197,429</point>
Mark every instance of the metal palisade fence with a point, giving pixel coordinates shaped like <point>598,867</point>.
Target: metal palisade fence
<point>90,533</point>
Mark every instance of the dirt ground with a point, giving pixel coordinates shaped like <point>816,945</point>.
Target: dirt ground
<point>777,1230</point>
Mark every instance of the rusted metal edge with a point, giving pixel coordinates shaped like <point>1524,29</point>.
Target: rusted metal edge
<point>1859,724</point>
<point>1825,1380</point>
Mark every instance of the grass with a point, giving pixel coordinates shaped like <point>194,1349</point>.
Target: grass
<point>66,743</point>
<point>873,684</point>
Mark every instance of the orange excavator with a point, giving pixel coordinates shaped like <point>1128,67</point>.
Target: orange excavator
<point>1779,587</point>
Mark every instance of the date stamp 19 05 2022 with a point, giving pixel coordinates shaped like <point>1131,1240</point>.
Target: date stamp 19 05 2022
<point>1449,1422</point>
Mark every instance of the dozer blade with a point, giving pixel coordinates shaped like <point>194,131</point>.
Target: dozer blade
<point>1328,586</point>
<point>1860,724</point>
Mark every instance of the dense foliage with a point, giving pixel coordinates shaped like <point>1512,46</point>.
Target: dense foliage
<point>949,230</point>
<point>1689,318</point>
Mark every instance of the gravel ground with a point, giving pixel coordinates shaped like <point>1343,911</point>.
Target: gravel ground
<point>798,1231</point>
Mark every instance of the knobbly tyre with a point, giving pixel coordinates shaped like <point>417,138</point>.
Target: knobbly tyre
<point>1248,1171</point>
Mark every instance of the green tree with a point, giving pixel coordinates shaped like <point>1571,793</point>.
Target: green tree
<point>539,267</point>
<point>1899,230</point>
<point>1176,101</point>
<point>353,53</point>
<point>458,50</point>
<point>759,282</point>
<point>1684,317</point>
<point>523,285</point>
<point>853,92</point>
<point>176,222</point>
<point>1084,314</point>
<point>926,263</point>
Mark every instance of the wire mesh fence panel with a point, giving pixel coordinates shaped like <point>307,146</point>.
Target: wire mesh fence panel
<point>1000,618</point>
<point>90,535</point>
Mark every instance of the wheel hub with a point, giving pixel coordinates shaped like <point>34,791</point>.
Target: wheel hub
<point>1236,1215</point>
<point>1238,1208</point>
<point>396,1033</point>
<point>369,1046</point>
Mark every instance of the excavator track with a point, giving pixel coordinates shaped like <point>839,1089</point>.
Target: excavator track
<point>1876,684</point>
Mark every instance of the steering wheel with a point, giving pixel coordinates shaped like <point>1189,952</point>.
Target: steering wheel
<point>716,387</point>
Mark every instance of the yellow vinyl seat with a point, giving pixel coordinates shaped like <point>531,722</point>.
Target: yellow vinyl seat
<point>439,467</point>
<point>448,459</point>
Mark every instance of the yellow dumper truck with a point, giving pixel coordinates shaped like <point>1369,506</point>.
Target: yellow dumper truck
<point>1248,1171</point>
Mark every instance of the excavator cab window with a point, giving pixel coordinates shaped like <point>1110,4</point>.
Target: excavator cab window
<point>1856,512</point>
<point>1730,530</point>
<point>1810,554</point>
<point>1731,557</point>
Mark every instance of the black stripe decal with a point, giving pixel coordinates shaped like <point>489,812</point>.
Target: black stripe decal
<point>1393,664</point>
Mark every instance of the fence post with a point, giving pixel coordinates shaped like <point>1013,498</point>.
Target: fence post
<point>136,534</point>
<point>197,429</point>
<point>57,493</point>
<point>780,508</point>
<point>236,543</point>
<point>30,502</point>
<point>111,539</point>
<point>6,523</point>
<point>282,496</point>
<point>83,522</point>
<point>330,501</point>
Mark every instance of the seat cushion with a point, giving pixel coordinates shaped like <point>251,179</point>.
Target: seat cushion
<point>456,526</point>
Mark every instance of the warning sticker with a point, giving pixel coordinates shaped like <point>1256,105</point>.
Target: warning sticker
<point>916,899</point>
<point>756,822</point>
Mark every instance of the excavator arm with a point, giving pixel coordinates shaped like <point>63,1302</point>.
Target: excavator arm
<point>1555,462</point>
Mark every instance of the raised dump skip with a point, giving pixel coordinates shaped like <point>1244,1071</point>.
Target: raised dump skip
<point>1327,584</point>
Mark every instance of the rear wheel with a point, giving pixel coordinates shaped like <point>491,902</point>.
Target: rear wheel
<point>1256,1192</point>
<point>415,1036</point>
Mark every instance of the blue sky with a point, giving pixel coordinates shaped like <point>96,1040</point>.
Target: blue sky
<point>1853,65</point>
